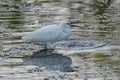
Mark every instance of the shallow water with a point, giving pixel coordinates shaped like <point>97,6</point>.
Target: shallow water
<point>92,21</point>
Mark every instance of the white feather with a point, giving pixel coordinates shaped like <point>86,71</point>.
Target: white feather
<point>47,34</point>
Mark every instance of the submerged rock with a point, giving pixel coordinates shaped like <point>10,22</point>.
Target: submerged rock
<point>78,44</point>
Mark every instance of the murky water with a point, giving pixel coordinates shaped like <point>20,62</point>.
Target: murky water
<point>91,21</point>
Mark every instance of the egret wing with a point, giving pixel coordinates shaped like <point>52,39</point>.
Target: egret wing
<point>46,34</point>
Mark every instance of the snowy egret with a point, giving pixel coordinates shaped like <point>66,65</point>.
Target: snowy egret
<point>48,34</point>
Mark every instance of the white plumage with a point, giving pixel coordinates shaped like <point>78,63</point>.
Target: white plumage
<point>48,34</point>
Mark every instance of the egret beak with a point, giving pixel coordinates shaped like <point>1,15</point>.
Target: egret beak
<point>68,23</point>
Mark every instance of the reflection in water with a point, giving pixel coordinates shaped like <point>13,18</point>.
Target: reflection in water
<point>100,6</point>
<point>102,62</point>
<point>50,62</point>
<point>102,12</point>
<point>17,19</point>
<point>12,14</point>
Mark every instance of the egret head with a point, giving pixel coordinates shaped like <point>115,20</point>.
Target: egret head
<point>65,26</point>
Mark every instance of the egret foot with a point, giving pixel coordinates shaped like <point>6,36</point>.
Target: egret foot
<point>50,52</point>
<point>44,53</point>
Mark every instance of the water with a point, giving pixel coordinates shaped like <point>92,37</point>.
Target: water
<point>92,21</point>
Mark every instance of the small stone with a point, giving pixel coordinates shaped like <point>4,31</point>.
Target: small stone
<point>46,79</point>
<point>71,70</point>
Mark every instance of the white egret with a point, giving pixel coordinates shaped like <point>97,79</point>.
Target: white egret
<point>48,34</point>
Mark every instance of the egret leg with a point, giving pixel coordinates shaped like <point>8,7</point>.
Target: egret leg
<point>49,50</point>
<point>45,46</point>
<point>48,46</point>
